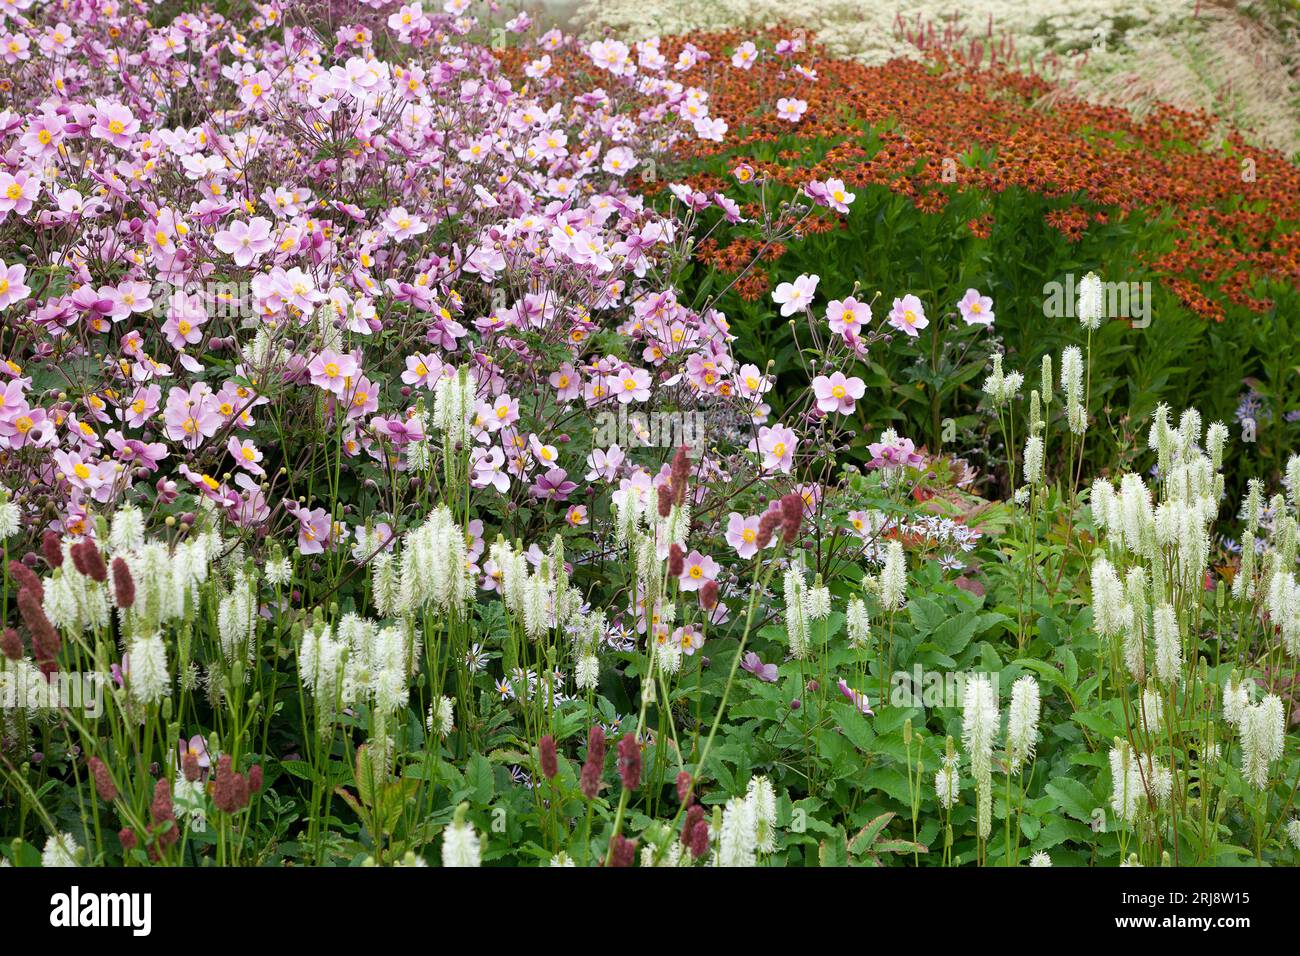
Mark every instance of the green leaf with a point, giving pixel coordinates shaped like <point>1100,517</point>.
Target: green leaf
<point>480,779</point>
<point>1072,797</point>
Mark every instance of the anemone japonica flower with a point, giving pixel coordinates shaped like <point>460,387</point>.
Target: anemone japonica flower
<point>976,309</point>
<point>796,295</point>
<point>754,664</point>
<point>333,371</point>
<point>908,315</point>
<point>848,316</point>
<point>836,196</point>
<point>12,287</point>
<point>114,123</point>
<point>18,193</point>
<point>745,56</point>
<point>246,241</point>
<point>776,445</point>
<point>791,110</point>
<point>894,452</point>
<point>697,568</point>
<point>742,534</point>
<point>856,698</point>
<point>836,393</point>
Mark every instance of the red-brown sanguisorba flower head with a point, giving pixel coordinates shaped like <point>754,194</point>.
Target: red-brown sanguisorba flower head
<point>255,778</point>
<point>25,577</point>
<point>223,790</point>
<point>683,786</point>
<point>676,560</point>
<point>123,583</point>
<point>594,767</point>
<point>665,500</point>
<point>96,570</point>
<point>589,780</point>
<point>700,839</point>
<point>11,645</point>
<point>694,814</point>
<point>622,851</point>
<point>52,549</point>
<point>128,838</point>
<point>681,473</point>
<point>629,761</point>
<point>596,742</point>
<point>162,814</point>
<point>190,766</point>
<point>767,526</point>
<point>709,595</point>
<point>547,756</point>
<point>104,785</point>
<point>79,558</point>
<point>46,642</point>
<point>791,517</point>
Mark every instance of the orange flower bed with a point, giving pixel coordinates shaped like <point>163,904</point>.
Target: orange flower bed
<point>1235,208</point>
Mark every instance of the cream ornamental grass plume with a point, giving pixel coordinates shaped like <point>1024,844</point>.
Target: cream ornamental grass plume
<point>871,33</point>
<point>1107,599</point>
<point>1169,645</point>
<point>1263,736</point>
<point>1126,782</point>
<point>1072,382</point>
<point>1002,387</point>
<point>237,619</point>
<point>1236,699</point>
<point>1293,832</point>
<point>61,850</point>
<point>453,407</point>
<point>460,841</point>
<point>435,564</point>
<point>1091,306</point>
<point>796,611</point>
<point>858,623</point>
<point>1153,709</point>
<point>763,798</point>
<point>148,678</point>
<point>980,725</point>
<point>10,516</point>
<point>947,782</point>
<point>1136,614</point>
<point>1033,469</point>
<point>1022,722</point>
<point>893,577</point>
<point>1229,62</point>
<point>738,838</point>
